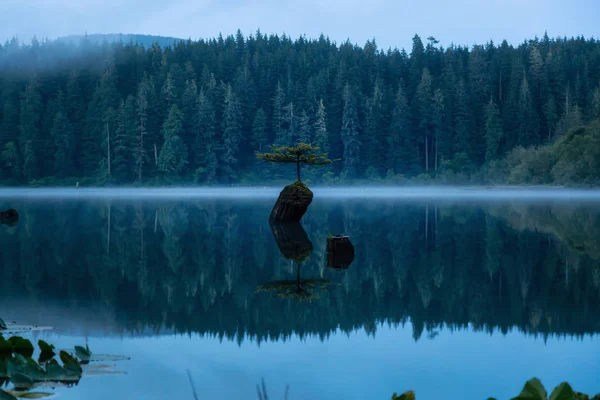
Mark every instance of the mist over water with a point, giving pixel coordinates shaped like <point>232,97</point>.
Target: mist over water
<point>341,192</point>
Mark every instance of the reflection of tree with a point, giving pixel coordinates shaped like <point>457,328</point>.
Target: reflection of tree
<point>294,245</point>
<point>450,265</point>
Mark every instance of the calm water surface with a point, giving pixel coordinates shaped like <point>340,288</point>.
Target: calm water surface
<point>452,296</point>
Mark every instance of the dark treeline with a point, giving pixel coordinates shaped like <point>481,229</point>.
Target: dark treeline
<point>195,267</point>
<point>197,111</point>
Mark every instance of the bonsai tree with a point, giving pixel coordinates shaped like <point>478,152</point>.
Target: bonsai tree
<point>301,153</point>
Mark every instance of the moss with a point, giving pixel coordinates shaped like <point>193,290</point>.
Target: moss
<point>302,187</point>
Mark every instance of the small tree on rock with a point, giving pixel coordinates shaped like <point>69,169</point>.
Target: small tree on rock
<point>301,153</point>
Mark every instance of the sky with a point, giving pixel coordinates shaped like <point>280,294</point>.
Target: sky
<point>391,22</point>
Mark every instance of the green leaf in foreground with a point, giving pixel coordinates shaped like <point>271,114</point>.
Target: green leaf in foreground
<point>563,392</point>
<point>21,381</point>
<point>45,347</point>
<point>5,346</point>
<point>533,390</point>
<point>23,347</point>
<point>71,365</point>
<point>4,395</point>
<point>83,353</point>
<point>410,395</point>
<point>3,324</point>
<point>31,395</point>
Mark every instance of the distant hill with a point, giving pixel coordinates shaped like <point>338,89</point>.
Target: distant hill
<point>144,40</point>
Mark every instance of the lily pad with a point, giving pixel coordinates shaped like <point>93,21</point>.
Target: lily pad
<point>21,381</point>
<point>31,395</point>
<point>22,346</point>
<point>563,392</point>
<point>533,390</point>
<point>34,371</point>
<point>4,395</point>
<point>70,364</point>
<point>5,346</point>
<point>410,395</point>
<point>54,372</point>
<point>45,347</point>
<point>83,353</point>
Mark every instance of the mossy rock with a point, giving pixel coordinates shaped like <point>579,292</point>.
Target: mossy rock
<point>292,203</point>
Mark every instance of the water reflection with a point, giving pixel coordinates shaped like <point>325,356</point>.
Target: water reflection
<point>144,267</point>
<point>294,245</point>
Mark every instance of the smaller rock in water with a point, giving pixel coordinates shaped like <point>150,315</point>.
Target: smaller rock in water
<point>292,203</point>
<point>9,217</point>
<point>340,252</point>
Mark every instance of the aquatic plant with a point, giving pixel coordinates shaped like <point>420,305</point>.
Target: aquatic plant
<point>533,390</point>
<point>18,368</point>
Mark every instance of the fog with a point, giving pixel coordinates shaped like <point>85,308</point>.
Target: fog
<point>352,192</point>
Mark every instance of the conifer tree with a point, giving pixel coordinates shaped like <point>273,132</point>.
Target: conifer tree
<point>321,135</point>
<point>279,114</point>
<point>350,132</point>
<point>259,130</point>
<point>205,146</point>
<point>231,126</point>
<point>493,131</point>
<point>304,128</point>
<point>31,113</point>
<point>173,154</point>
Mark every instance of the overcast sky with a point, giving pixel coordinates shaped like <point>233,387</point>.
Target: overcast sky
<point>391,22</point>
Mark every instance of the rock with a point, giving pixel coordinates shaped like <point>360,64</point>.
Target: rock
<point>292,241</point>
<point>292,203</point>
<point>9,217</point>
<point>340,252</point>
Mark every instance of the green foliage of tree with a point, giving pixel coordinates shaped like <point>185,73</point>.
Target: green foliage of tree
<point>299,154</point>
<point>408,112</point>
<point>493,131</point>
<point>173,155</point>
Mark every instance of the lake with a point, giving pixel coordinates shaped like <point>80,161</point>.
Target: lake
<point>452,293</point>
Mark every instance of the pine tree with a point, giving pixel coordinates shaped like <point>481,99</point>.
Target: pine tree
<point>403,155</point>
<point>259,130</point>
<point>279,114</point>
<point>173,154</point>
<point>440,132</point>
<point>62,138</point>
<point>100,112</point>
<point>205,146</point>
<point>374,132</point>
<point>350,132</point>
<point>231,126</point>
<point>493,131</point>
<point>424,97</point>
<point>140,154</point>
<point>31,112</point>
<point>528,119</point>
<point>321,134</point>
<point>190,113</point>
<point>291,120</point>
<point>125,137</point>
<point>463,122</point>
<point>304,128</point>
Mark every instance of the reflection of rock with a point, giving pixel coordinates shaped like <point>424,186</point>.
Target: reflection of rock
<point>292,241</point>
<point>294,245</point>
<point>9,217</point>
<point>340,252</point>
<point>292,203</point>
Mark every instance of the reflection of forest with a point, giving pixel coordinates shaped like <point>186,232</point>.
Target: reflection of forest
<point>194,266</point>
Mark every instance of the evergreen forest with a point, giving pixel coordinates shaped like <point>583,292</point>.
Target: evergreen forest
<point>196,112</point>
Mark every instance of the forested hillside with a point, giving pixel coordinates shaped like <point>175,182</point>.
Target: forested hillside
<point>199,110</point>
<point>143,40</point>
